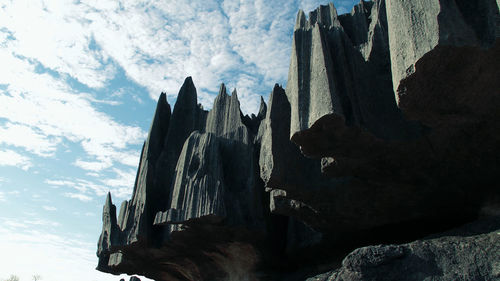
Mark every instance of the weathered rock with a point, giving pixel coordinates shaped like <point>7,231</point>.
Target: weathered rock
<point>346,160</point>
<point>136,215</point>
<point>110,232</point>
<point>344,71</point>
<point>134,278</point>
<point>469,253</point>
<point>439,23</point>
<point>405,171</point>
<point>213,195</point>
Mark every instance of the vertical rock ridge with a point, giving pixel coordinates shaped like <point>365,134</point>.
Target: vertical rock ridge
<point>187,117</point>
<point>447,23</point>
<point>343,69</point>
<point>198,189</point>
<point>224,120</point>
<point>109,235</point>
<point>139,212</point>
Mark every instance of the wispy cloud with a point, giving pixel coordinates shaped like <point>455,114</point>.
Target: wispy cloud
<point>49,208</point>
<point>26,137</point>
<point>54,257</point>
<point>120,185</point>
<point>79,196</point>
<point>60,63</point>
<point>245,44</point>
<point>12,158</point>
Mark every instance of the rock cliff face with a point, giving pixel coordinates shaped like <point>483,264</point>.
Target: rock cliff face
<point>387,131</point>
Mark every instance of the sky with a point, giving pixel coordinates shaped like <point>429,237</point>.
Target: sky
<point>79,80</point>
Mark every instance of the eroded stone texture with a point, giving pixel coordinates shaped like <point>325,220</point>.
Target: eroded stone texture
<point>209,218</point>
<point>341,65</point>
<point>469,253</point>
<point>408,170</point>
<point>417,27</point>
<point>346,160</point>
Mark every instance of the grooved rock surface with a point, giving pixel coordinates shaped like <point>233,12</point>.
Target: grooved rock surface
<point>388,131</point>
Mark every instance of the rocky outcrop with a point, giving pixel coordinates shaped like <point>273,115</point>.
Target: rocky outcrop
<point>469,253</point>
<point>212,195</point>
<point>387,132</point>
<point>363,135</point>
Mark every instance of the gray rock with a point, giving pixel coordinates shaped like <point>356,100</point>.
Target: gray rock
<point>198,189</point>
<point>110,233</point>
<point>134,278</point>
<point>345,160</point>
<point>452,256</point>
<point>344,70</point>
<point>206,190</point>
<point>439,23</point>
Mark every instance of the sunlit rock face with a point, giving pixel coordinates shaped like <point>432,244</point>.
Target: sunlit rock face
<point>387,131</point>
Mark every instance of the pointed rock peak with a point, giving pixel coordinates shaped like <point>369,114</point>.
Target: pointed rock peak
<point>333,11</point>
<point>189,80</point>
<point>324,15</point>
<point>361,7</point>
<point>222,90</point>
<point>162,102</point>
<point>277,92</point>
<point>262,108</point>
<point>301,20</point>
<point>187,94</point>
<point>234,94</point>
<point>277,87</point>
<point>108,203</point>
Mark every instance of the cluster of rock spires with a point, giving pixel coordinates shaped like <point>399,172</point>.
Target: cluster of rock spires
<point>388,131</point>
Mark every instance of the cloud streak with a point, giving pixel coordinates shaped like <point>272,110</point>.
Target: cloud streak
<point>12,158</point>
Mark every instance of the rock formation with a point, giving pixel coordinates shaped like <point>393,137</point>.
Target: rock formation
<point>469,253</point>
<point>387,131</point>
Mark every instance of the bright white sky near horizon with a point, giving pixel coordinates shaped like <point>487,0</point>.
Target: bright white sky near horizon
<point>79,81</point>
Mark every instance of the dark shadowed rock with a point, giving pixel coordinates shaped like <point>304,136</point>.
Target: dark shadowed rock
<point>395,171</point>
<point>469,253</point>
<point>134,278</point>
<point>110,233</point>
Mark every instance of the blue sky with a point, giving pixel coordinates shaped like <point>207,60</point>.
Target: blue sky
<point>78,84</point>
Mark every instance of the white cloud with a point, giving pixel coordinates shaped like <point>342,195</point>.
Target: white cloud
<point>26,137</point>
<point>41,222</point>
<point>92,174</point>
<point>12,158</point>
<point>122,184</point>
<point>49,208</point>
<point>46,110</point>
<point>79,196</point>
<point>245,44</point>
<point>93,165</point>
<point>61,39</point>
<point>2,197</point>
<point>54,257</point>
